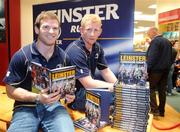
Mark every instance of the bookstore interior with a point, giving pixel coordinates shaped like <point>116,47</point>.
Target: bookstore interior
<point>127,108</point>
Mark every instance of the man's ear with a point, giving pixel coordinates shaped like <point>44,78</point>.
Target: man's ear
<point>36,29</point>
<point>81,30</point>
<point>100,32</point>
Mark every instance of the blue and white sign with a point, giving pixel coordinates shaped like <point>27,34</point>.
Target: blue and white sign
<point>117,17</point>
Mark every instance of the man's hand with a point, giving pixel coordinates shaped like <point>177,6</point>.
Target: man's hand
<point>69,98</point>
<point>111,87</point>
<point>49,98</point>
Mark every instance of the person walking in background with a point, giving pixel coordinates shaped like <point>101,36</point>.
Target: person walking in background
<point>87,54</point>
<point>159,61</point>
<point>170,75</point>
<point>38,110</point>
<point>177,66</point>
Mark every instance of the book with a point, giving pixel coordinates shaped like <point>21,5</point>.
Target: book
<point>133,68</point>
<point>85,124</point>
<point>59,78</point>
<point>97,110</point>
<point>107,102</point>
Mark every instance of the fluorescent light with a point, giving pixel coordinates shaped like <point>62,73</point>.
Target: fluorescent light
<point>137,12</point>
<point>141,29</point>
<point>153,6</point>
<point>146,17</point>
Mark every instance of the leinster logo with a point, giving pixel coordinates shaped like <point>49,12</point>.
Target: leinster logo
<point>59,66</point>
<point>96,56</point>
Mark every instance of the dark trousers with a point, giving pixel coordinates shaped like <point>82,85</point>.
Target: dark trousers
<point>158,81</point>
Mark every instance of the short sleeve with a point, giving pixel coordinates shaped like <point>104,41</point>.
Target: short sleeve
<point>17,69</point>
<point>78,58</point>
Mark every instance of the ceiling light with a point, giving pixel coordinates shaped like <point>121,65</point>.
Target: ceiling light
<point>145,17</point>
<point>153,6</point>
<point>141,29</point>
<point>137,12</point>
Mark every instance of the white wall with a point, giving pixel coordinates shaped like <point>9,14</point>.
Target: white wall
<point>166,5</point>
<point>27,19</point>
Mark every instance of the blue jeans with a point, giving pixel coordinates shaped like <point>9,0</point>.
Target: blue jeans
<point>50,118</point>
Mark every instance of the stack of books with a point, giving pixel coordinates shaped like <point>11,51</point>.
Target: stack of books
<point>131,108</point>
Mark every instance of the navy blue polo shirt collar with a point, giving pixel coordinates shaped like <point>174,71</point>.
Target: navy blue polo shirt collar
<point>35,51</point>
<point>82,45</point>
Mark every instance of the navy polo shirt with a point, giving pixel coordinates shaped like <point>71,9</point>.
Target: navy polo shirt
<point>86,62</point>
<point>19,71</point>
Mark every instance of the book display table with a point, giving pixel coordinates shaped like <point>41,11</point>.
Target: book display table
<point>76,115</point>
<point>6,107</point>
<point>6,110</point>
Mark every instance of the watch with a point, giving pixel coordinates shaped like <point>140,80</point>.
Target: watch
<point>37,99</point>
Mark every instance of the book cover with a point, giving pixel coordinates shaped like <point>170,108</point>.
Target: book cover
<point>93,109</point>
<point>59,78</point>
<point>95,117</point>
<point>133,68</point>
<point>85,124</point>
<point>107,102</point>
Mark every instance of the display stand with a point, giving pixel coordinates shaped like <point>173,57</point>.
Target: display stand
<point>7,110</point>
<point>6,107</point>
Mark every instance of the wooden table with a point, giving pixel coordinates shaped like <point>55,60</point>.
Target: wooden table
<point>76,115</point>
<point>6,107</point>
